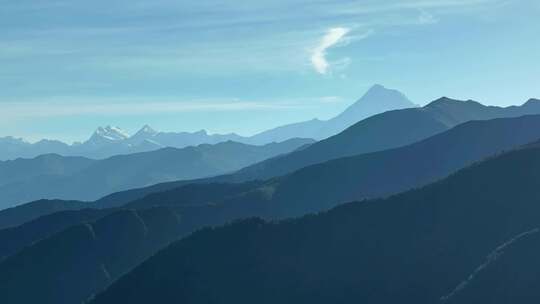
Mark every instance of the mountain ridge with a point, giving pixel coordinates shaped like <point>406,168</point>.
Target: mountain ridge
<point>199,205</point>
<point>76,178</point>
<point>415,247</point>
<point>376,100</point>
<point>108,141</point>
<point>369,135</point>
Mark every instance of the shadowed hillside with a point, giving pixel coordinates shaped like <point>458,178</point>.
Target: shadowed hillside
<point>323,186</point>
<point>94,179</point>
<point>418,247</point>
<point>377,133</point>
<point>200,205</point>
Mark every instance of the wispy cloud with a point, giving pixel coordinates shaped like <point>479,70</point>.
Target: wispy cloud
<point>331,38</point>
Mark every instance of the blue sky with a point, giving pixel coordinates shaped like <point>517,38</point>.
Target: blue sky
<point>67,66</point>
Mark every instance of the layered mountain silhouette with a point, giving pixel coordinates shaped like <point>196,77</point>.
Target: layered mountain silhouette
<point>470,238</point>
<point>20,170</point>
<point>57,177</point>
<point>12,148</point>
<point>460,236</point>
<point>384,131</point>
<point>200,205</point>
<point>109,141</point>
<point>16,216</point>
<point>358,177</point>
<point>325,185</point>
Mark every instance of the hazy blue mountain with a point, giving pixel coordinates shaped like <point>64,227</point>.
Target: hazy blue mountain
<point>145,134</point>
<point>109,141</point>
<point>325,185</point>
<point>388,130</point>
<point>12,148</point>
<point>377,99</point>
<point>384,131</point>
<point>89,180</point>
<point>380,132</point>
<point>469,143</point>
<point>471,238</point>
<point>22,169</point>
<point>312,189</point>
<point>107,135</point>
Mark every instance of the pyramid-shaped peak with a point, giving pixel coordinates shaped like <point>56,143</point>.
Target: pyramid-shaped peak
<point>380,94</point>
<point>379,88</point>
<point>377,99</point>
<point>146,129</point>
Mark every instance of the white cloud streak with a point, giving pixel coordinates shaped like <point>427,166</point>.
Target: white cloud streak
<point>331,38</point>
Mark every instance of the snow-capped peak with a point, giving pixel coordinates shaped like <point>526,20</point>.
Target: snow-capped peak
<point>147,130</point>
<point>111,133</point>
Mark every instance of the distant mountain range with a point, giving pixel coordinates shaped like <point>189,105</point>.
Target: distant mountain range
<point>98,246</point>
<point>456,240</point>
<point>387,130</point>
<point>471,238</point>
<point>383,131</point>
<point>109,141</point>
<point>322,186</point>
<point>377,99</point>
<point>57,177</point>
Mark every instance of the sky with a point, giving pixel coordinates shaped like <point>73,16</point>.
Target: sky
<point>69,66</point>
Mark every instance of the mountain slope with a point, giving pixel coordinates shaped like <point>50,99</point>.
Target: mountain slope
<point>87,256</point>
<point>193,202</point>
<point>363,176</point>
<point>13,239</point>
<point>388,130</point>
<point>16,216</point>
<point>377,99</point>
<point>322,186</point>
<point>49,164</point>
<point>123,172</point>
<point>109,141</point>
<point>385,131</point>
<point>415,247</point>
<point>13,148</point>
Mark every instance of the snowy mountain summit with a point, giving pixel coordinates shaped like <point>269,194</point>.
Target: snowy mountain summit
<point>107,134</point>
